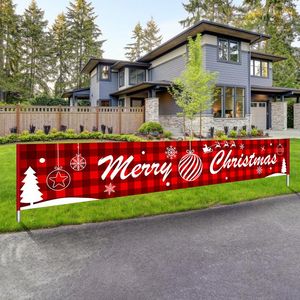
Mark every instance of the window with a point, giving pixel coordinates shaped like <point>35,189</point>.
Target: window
<point>121,102</point>
<point>136,76</point>
<point>104,72</point>
<point>229,102</point>
<point>136,102</point>
<point>229,50</point>
<point>121,78</point>
<point>259,68</point>
<point>104,102</point>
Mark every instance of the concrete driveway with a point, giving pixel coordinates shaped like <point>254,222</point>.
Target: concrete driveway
<point>284,134</point>
<point>244,251</point>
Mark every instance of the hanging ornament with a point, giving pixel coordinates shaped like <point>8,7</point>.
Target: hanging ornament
<point>78,162</point>
<point>190,166</point>
<point>58,179</point>
<point>280,150</point>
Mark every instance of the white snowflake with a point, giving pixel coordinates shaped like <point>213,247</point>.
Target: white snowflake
<point>242,146</point>
<point>110,189</point>
<point>263,149</point>
<point>171,152</point>
<point>259,170</point>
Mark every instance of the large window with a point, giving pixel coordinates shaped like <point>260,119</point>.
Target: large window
<point>229,102</point>
<point>136,76</point>
<point>228,51</point>
<point>259,68</point>
<point>104,73</point>
<point>121,78</point>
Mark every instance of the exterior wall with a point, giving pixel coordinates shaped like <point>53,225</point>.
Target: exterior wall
<point>279,115</point>
<point>297,115</point>
<point>94,88</point>
<point>167,106</point>
<point>108,87</point>
<point>151,109</point>
<point>263,81</point>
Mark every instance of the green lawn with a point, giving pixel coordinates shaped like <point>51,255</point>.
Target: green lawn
<point>135,206</point>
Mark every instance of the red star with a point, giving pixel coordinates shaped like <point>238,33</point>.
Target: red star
<point>58,180</point>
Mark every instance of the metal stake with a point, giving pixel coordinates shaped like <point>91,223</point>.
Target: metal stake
<point>288,180</point>
<point>18,216</point>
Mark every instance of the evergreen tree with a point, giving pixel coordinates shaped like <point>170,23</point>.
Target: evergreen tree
<point>84,38</point>
<point>9,50</point>
<point>151,38</point>
<point>36,43</point>
<point>61,55</point>
<point>212,10</point>
<point>135,50</point>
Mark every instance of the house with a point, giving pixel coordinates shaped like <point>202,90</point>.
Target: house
<point>245,95</point>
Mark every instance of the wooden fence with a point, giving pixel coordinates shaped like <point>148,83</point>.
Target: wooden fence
<point>120,119</point>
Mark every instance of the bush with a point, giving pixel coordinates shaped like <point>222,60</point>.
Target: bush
<point>47,101</point>
<point>290,114</point>
<point>222,137</point>
<point>149,127</point>
<point>243,133</point>
<point>233,133</point>
<point>167,134</point>
<point>219,133</point>
<point>254,132</point>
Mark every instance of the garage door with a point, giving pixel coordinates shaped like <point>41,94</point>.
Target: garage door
<point>259,114</point>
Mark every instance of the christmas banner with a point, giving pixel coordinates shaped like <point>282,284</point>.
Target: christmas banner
<point>56,174</point>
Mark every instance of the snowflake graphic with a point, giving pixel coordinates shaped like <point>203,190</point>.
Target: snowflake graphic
<point>171,152</point>
<point>263,149</point>
<point>110,189</point>
<point>242,146</point>
<point>259,170</point>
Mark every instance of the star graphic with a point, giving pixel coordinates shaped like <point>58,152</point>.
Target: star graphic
<point>242,146</point>
<point>110,189</point>
<point>263,149</point>
<point>58,180</point>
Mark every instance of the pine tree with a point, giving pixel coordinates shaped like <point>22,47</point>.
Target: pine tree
<point>36,55</point>
<point>9,50</point>
<point>212,10</point>
<point>135,49</point>
<point>84,38</point>
<point>151,37</point>
<point>61,55</point>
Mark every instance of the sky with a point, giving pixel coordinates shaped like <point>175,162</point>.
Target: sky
<point>117,18</point>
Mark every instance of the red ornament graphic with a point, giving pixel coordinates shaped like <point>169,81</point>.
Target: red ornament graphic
<point>280,150</point>
<point>190,166</point>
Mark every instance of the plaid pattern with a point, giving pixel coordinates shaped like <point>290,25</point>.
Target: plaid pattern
<point>88,183</point>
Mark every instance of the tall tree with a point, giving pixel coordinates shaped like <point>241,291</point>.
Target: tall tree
<point>151,38</point>
<point>212,10</point>
<point>84,38</point>
<point>134,50</point>
<point>61,55</point>
<point>36,52</point>
<point>9,49</point>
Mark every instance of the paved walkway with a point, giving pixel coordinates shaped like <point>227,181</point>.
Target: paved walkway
<point>243,251</point>
<point>284,134</point>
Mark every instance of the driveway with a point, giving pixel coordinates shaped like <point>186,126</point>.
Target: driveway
<point>284,134</point>
<point>244,251</point>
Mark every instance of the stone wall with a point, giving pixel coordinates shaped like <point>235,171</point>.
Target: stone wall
<point>174,124</point>
<point>279,115</point>
<point>297,115</point>
<point>152,109</point>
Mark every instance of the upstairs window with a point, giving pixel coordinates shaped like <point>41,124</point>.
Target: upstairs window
<point>136,76</point>
<point>259,68</point>
<point>228,51</point>
<point>104,72</point>
<point>121,78</point>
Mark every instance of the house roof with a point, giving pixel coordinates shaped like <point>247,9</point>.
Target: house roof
<point>142,86</point>
<point>204,27</point>
<point>83,93</point>
<point>123,63</point>
<point>93,62</point>
<point>266,56</point>
<point>289,92</point>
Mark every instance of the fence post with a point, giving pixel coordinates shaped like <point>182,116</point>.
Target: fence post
<point>18,121</point>
<point>59,117</point>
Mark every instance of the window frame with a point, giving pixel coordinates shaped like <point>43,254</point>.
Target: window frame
<point>136,69</point>
<point>252,68</point>
<point>101,67</point>
<point>228,60</point>
<point>223,104</point>
<point>123,81</point>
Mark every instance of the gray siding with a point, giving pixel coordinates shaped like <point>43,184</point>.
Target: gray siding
<point>228,73</point>
<point>168,70</point>
<point>108,87</point>
<point>167,105</point>
<point>94,93</point>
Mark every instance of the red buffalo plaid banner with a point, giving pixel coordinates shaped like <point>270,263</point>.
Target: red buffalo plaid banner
<point>55,174</point>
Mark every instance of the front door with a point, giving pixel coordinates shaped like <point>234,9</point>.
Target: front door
<point>259,114</point>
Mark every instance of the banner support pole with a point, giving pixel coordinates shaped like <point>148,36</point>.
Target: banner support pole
<point>288,180</point>
<point>18,216</point>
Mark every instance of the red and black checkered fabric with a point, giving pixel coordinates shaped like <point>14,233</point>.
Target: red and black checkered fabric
<point>208,157</point>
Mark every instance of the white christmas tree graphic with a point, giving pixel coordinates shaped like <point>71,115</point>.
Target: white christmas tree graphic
<point>283,167</point>
<point>30,190</point>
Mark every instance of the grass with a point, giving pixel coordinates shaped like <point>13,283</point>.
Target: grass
<point>135,206</point>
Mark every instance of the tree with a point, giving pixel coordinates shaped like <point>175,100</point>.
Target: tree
<point>30,190</point>
<point>151,37</point>
<point>212,10</point>
<point>135,49</point>
<point>35,51</point>
<point>193,91</point>
<point>84,38</point>
<point>9,50</point>
<point>61,55</point>
<point>283,167</point>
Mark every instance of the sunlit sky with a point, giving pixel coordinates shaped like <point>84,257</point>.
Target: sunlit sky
<point>117,18</point>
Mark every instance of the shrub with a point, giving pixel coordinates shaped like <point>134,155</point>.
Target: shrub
<point>219,133</point>
<point>167,134</point>
<point>47,101</point>
<point>254,132</point>
<point>39,132</point>
<point>53,130</point>
<point>290,114</point>
<point>149,127</point>
<point>233,133</point>
<point>260,132</point>
<point>70,131</point>
<point>222,137</point>
<point>243,133</point>
<point>25,132</point>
